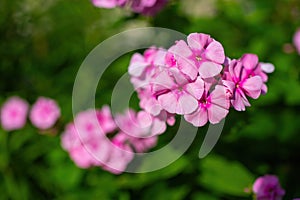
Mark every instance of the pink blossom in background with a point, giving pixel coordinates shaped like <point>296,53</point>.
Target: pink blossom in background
<point>296,40</point>
<point>148,7</point>
<point>88,145</point>
<point>105,119</point>
<point>145,7</point>
<point>14,113</point>
<point>141,124</point>
<point>120,155</point>
<point>44,113</point>
<point>85,139</point>
<point>267,187</point>
<point>108,3</point>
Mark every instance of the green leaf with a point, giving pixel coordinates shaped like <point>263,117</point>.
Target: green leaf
<point>201,195</point>
<point>225,176</point>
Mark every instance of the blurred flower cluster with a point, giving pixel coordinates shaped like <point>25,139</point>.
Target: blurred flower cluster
<point>145,7</point>
<point>94,139</point>
<point>43,115</point>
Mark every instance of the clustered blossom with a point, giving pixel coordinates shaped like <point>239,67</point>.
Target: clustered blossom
<point>94,139</point>
<point>43,114</point>
<point>267,187</point>
<point>145,7</point>
<point>195,79</point>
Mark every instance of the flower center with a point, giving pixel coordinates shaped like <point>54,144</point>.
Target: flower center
<point>198,58</point>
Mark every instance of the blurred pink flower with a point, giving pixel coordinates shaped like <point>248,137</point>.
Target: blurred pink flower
<point>145,7</point>
<point>148,7</point>
<point>85,139</point>
<point>120,155</point>
<point>267,187</point>
<point>141,124</point>
<point>14,113</point>
<point>88,145</point>
<point>108,3</point>
<point>93,150</point>
<point>296,40</point>
<point>44,113</point>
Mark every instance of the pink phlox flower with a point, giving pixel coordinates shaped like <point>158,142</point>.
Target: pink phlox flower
<point>267,187</point>
<point>14,113</point>
<point>241,82</point>
<point>86,140</point>
<point>44,113</point>
<point>85,153</point>
<point>108,3</point>
<point>296,40</point>
<point>176,93</point>
<point>201,54</point>
<point>212,106</point>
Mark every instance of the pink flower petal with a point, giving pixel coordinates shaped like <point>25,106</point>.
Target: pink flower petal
<point>181,49</point>
<point>239,102</point>
<point>168,101</point>
<point>158,127</point>
<point>215,52</point>
<point>105,3</point>
<point>249,61</point>
<point>186,104</point>
<point>216,113</point>
<point>198,118</point>
<point>209,69</point>
<point>163,81</point>
<point>267,67</point>
<point>178,76</point>
<point>219,97</point>
<point>197,41</point>
<point>253,86</point>
<point>180,104</point>
<point>196,88</point>
<point>296,40</point>
<point>137,65</point>
<point>183,56</point>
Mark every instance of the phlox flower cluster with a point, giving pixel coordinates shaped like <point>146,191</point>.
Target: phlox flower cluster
<point>145,7</point>
<point>194,78</point>
<point>44,113</point>
<point>95,138</point>
<point>267,187</point>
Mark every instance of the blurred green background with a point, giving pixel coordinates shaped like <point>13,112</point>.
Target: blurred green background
<point>42,46</point>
